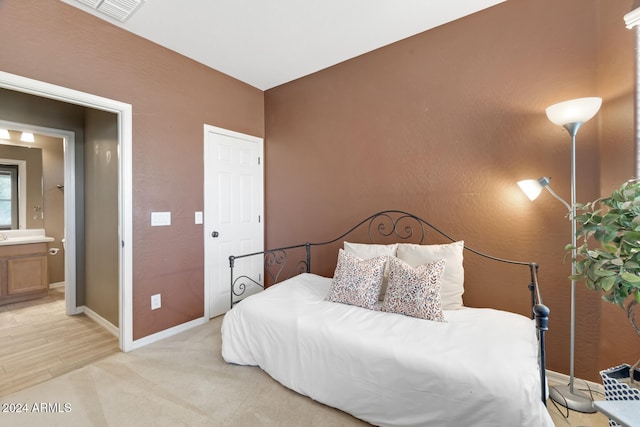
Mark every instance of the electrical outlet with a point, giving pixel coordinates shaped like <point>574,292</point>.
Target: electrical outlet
<point>156,301</point>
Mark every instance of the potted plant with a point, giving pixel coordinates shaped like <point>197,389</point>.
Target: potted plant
<point>608,259</point>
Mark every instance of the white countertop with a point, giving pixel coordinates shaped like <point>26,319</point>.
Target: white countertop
<point>23,237</point>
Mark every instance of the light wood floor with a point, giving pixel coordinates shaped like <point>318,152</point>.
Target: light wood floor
<point>38,341</point>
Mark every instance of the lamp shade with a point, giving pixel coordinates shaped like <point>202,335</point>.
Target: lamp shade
<point>574,111</point>
<point>533,187</point>
<point>530,187</point>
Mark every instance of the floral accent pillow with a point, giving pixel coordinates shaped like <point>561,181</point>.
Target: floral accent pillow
<point>452,286</point>
<point>367,251</point>
<point>357,281</point>
<point>415,292</point>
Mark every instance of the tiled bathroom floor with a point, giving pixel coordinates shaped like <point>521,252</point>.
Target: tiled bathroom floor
<point>38,341</point>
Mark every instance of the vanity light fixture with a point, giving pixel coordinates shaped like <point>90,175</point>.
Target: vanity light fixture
<point>4,134</point>
<point>27,137</point>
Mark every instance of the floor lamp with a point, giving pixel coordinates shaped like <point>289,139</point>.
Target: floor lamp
<point>570,115</point>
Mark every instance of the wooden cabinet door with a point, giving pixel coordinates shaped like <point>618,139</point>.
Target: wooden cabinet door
<point>27,274</point>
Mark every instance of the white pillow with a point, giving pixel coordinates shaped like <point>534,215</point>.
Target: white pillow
<point>452,286</point>
<point>368,251</point>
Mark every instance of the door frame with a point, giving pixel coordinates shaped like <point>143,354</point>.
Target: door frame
<point>250,138</point>
<point>125,182</point>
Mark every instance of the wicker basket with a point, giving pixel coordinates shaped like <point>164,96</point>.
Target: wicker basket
<point>620,384</point>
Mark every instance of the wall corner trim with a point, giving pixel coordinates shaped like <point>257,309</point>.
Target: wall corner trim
<point>113,329</point>
<point>632,18</point>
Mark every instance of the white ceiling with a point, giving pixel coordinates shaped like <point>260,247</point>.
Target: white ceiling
<point>268,43</point>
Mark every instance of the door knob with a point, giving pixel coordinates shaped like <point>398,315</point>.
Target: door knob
<point>214,234</point>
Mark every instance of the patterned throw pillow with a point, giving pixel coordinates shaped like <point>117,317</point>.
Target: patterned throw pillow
<point>367,251</point>
<point>415,292</point>
<point>357,281</point>
<point>452,286</point>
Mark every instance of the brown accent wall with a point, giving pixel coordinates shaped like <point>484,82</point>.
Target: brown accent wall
<point>172,98</point>
<point>443,124</point>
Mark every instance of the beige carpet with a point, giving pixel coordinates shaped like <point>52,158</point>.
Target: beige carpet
<point>181,381</point>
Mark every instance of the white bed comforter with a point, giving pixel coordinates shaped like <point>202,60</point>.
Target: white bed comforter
<point>478,369</point>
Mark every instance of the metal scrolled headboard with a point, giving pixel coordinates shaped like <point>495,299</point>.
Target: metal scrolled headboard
<point>401,225</point>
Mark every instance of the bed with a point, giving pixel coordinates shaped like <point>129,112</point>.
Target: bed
<point>443,365</point>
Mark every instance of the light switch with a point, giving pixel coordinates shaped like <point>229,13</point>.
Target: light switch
<point>156,301</point>
<point>198,217</point>
<point>160,218</point>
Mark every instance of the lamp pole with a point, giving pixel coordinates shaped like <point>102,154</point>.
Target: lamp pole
<point>572,128</point>
<point>565,395</point>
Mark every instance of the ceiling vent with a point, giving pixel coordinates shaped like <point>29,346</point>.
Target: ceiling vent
<point>120,10</point>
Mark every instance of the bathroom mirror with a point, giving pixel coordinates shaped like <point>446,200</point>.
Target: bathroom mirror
<point>21,166</point>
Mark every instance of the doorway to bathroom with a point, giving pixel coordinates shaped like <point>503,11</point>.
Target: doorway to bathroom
<point>46,335</point>
<point>116,154</point>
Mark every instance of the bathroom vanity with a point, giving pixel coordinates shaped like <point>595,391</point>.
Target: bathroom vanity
<point>23,265</point>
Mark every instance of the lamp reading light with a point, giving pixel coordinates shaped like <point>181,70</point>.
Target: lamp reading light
<point>4,134</point>
<point>533,187</point>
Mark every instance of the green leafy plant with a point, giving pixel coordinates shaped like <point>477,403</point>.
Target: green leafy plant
<point>608,258</point>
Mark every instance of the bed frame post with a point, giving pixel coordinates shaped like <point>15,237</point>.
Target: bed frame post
<point>308,249</point>
<point>231,263</point>
<point>541,313</point>
<point>532,289</point>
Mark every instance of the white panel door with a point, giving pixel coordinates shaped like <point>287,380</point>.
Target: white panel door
<point>233,217</point>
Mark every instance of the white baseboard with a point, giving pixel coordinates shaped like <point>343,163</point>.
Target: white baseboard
<point>167,333</point>
<point>56,285</point>
<point>113,329</point>
<point>558,378</point>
